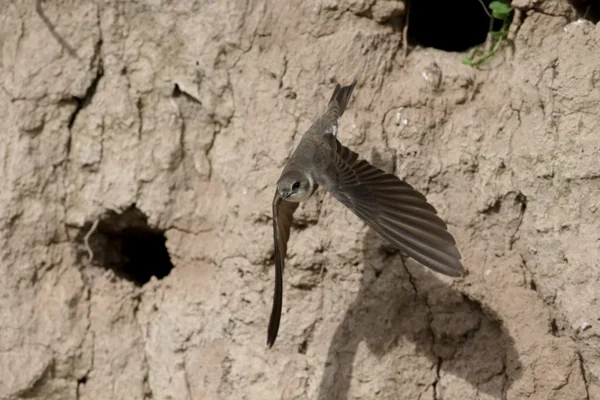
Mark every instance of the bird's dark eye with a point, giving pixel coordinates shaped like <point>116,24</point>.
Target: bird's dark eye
<point>296,186</point>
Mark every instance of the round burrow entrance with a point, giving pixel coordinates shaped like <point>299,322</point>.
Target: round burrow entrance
<point>126,244</point>
<point>587,9</point>
<point>449,25</point>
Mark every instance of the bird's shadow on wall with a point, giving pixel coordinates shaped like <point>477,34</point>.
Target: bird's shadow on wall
<point>402,309</point>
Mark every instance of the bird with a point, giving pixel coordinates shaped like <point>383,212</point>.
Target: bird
<point>388,205</point>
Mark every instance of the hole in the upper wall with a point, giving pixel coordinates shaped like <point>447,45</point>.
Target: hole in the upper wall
<point>449,25</point>
<point>587,9</point>
<point>126,244</point>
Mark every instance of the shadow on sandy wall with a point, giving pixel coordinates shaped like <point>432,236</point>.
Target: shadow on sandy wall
<point>447,328</point>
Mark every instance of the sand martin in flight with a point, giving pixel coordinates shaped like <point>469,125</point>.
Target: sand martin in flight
<point>391,207</point>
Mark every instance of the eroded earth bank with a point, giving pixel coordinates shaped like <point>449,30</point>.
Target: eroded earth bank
<point>155,132</point>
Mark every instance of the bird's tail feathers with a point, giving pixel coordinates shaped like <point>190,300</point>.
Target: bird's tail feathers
<point>341,96</point>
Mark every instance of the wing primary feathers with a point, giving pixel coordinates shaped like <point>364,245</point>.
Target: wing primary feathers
<point>393,209</point>
<point>447,266</point>
<point>282,221</point>
<point>278,293</point>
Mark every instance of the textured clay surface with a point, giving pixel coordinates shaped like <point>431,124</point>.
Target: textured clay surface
<point>124,123</point>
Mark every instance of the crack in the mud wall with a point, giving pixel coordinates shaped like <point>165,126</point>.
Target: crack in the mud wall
<point>83,102</point>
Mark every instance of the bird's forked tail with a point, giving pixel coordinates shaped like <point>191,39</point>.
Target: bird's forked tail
<point>340,97</point>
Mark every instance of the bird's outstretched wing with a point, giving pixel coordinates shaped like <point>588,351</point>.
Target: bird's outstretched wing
<point>282,221</point>
<point>393,209</point>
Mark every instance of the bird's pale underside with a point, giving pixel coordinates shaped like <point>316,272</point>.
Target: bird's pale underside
<point>391,207</point>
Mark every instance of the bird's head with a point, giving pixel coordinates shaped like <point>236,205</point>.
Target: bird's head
<point>294,186</point>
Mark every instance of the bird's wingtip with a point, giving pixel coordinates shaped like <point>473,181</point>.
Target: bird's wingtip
<point>270,340</point>
<point>457,271</point>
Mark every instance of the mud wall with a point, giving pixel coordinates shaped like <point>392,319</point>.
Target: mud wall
<point>140,146</point>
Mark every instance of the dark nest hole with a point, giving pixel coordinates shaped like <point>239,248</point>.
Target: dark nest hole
<point>126,244</point>
<point>587,9</point>
<point>449,25</point>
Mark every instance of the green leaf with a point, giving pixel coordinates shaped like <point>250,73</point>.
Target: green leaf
<point>467,60</point>
<point>500,10</point>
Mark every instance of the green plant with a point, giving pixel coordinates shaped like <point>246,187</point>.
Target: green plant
<point>501,10</point>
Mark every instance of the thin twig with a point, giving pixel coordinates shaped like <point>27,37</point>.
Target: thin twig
<point>86,241</point>
<point>405,29</point>
<point>489,41</point>
<point>488,38</point>
<point>485,8</point>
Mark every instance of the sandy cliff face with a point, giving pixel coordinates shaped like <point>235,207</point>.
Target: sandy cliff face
<point>127,123</point>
